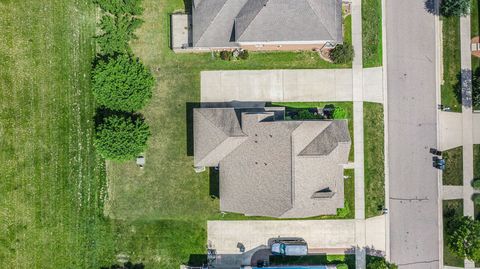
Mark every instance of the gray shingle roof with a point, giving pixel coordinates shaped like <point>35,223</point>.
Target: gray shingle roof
<point>224,23</point>
<point>263,171</point>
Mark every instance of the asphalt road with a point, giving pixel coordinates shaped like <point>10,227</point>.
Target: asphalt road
<point>414,230</point>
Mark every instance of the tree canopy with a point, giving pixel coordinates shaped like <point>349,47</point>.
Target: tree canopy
<point>464,237</point>
<point>116,33</point>
<point>121,138</point>
<point>450,8</point>
<point>122,82</point>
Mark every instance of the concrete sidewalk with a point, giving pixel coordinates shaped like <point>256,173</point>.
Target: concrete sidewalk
<point>304,85</point>
<point>325,235</point>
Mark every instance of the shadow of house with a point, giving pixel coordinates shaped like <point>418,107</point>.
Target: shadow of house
<point>189,125</point>
<point>214,183</point>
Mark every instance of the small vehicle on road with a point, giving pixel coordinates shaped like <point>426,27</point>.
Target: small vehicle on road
<point>289,246</point>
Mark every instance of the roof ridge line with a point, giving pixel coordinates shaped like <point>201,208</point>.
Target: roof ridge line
<point>256,15</point>
<point>214,18</point>
<point>309,2</point>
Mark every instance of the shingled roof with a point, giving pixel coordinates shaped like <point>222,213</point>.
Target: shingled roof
<point>275,167</point>
<point>225,23</point>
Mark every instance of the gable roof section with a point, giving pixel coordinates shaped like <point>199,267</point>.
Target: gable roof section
<point>327,141</point>
<point>216,133</point>
<point>287,20</point>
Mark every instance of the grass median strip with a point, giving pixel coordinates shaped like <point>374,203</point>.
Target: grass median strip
<point>372,33</point>
<point>374,159</point>
<point>450,92</point>
<point>453,174</point>
<point>451,209</point>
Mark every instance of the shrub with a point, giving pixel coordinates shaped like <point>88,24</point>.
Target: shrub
<point>121,138</point>
<point>476,198</point>
<point>449,8</point>
<point>342,266</point>
<point>243,55</point>
<point>476,184</point>
<point>381,264</point>
<point>339,113</point>
<point>116,33</point>
<point>342,54</point>
<point>464,237</point>
<point>226,55</point>
<point>122,83</point>
<point>116,7</point>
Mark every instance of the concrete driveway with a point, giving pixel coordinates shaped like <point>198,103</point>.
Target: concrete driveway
<point>304,85</point>
<point>335,236</point>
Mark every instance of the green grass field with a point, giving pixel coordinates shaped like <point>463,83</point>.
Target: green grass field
<point>372,33</point>
<point>53,185</point>
<point>474,28</point>
<point>451,63</point>
<point>374,159</point>
<point>453,174</point>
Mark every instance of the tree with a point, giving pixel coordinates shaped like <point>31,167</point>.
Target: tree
<point>476,198</point>
<point>121,137</point>
<point>342,54</point>
<point>457,8</point>
<point>342,266</point>
<point>116,7</point>
<point>464,237</point>
<point>122,83</point>
<point>116,33</point>
<point>476,184</point>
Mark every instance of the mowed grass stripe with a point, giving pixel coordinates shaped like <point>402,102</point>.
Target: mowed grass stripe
<point>53,178</point>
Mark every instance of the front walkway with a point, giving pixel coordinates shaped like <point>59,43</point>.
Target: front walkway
<point>332,236</point>
<point>309,85</point>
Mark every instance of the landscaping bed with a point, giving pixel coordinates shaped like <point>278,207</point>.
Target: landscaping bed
<point>450,90</point>
<point>453,173</point>
<point>451,209</point>
<point>374,162</point>
<point>321,259</point>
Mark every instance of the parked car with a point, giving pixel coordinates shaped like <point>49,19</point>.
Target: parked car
<point>289,246</point>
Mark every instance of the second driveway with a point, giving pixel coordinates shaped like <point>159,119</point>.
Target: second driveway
<point>288,85</point>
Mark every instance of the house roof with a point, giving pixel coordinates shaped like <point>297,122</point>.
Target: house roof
<point>277,166</point>
<point>224,23</point>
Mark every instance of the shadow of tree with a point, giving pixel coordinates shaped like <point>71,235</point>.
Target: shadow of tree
<point>432,7</point>
<point>127,265</point>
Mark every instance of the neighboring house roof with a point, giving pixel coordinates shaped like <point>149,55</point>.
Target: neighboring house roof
<point>277,168</point>
<point>223,23</point>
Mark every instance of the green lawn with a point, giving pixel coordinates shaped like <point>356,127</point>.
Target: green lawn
<point>53,185</point>
<point>451,209</point>
<point>372,32</point>
<point>374,159</point>
<point>453,174</point>
<point>348,259</point>
<point>451,63</point>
